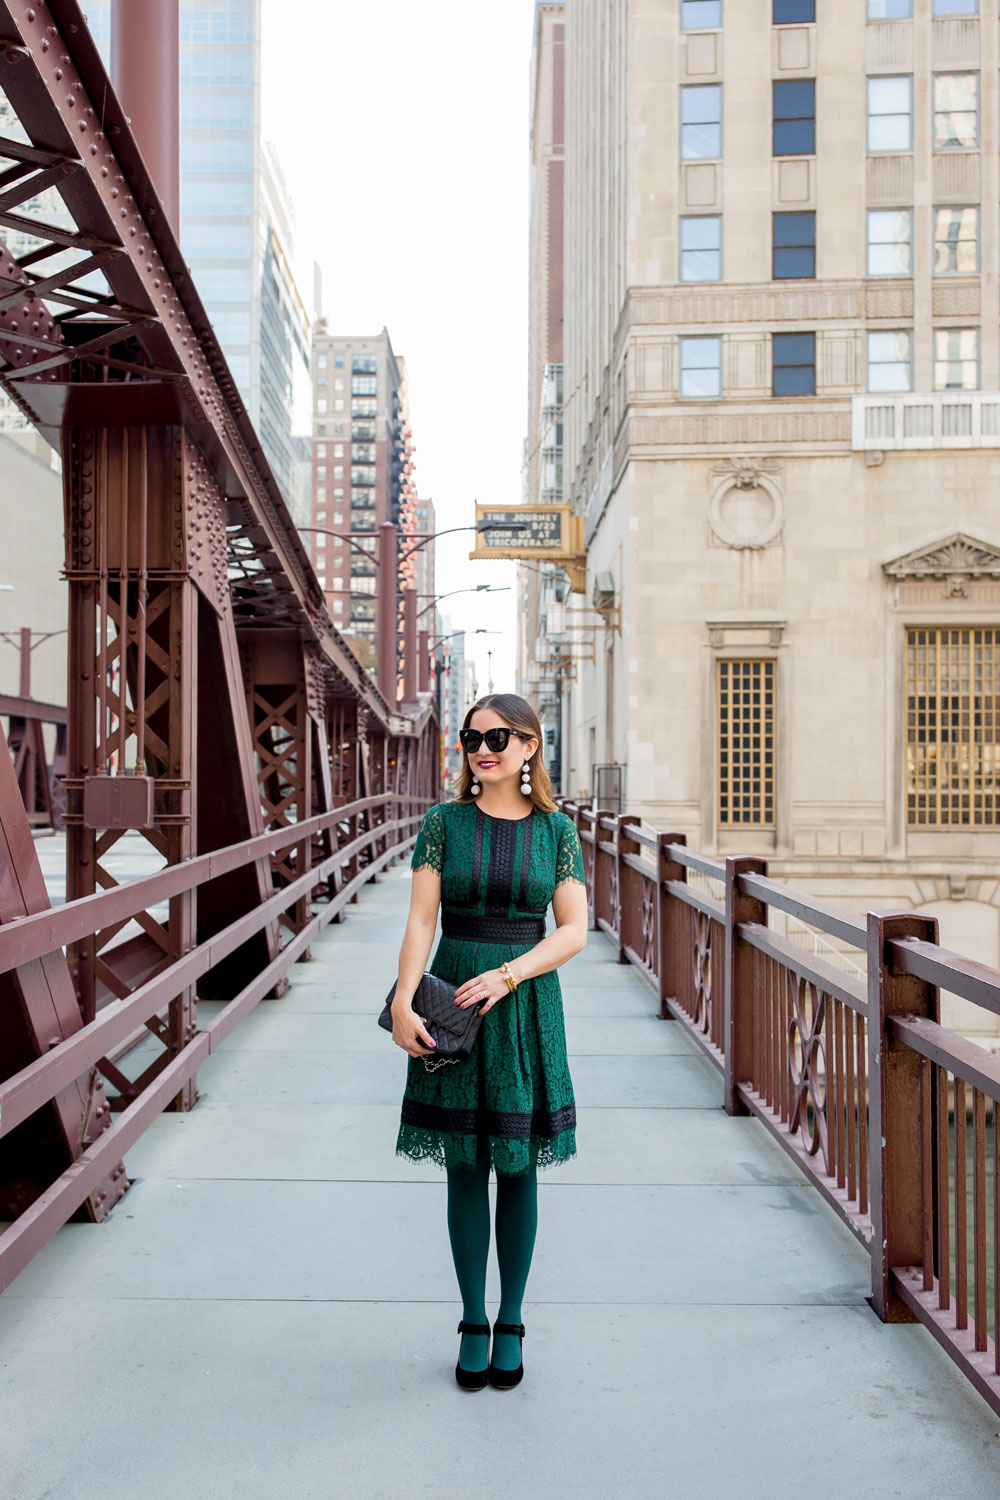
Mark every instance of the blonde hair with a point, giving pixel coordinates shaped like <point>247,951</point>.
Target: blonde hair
<point>519,714</point>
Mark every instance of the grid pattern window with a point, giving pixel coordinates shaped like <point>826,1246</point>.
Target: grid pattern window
<point>701,122</point>
<point>952,727</point>
<point>363,385</point>
<point>890,242</point>
<point>956,111</point>
<point>956,359</point>
<point>701,369</point>
<point>956,241</point>
<point>890,360</point>
<point>793,246</point>
<point>701,248</point>
<point>890,10</point>
<point>793,12</point>
<point>794,364</point>
<point>746,743</point>
<point>701,15</point>
<point>794,126</point>
<point>363,364</point>
<point>890,114</point>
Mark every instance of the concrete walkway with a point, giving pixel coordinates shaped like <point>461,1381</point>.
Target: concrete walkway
<point>271,1310</point>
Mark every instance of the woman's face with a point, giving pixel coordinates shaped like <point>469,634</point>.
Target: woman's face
<point>497,765</point>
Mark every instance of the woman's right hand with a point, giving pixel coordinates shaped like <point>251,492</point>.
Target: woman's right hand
<point>409,1032</point>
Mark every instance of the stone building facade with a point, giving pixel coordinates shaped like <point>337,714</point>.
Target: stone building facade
<point>782,313</point>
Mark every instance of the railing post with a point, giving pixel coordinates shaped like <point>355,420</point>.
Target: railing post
<point>599,857</point>
<point>667,945</point>
<point>894,1110</point>
<point>627,911</point>
<point>738,980</point>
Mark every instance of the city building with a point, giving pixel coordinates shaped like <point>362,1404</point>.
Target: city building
<point>542,585</point>
<point>236,228</point>
<point>782,388</point>
<point>362,474</point>
<point>456,690</point>
<point>285,422</point>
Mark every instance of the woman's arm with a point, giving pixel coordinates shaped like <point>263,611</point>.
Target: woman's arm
<point>408,1030</point>
<point>569,905</point>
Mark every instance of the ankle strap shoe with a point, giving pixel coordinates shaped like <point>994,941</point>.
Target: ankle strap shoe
<point>506,1380</point>
<point>471,1380</point>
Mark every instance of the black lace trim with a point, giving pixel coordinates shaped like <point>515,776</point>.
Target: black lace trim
<point>509,1124</point>
<point>500,875</point>
<point>477,854</point>
<point>522,884</point>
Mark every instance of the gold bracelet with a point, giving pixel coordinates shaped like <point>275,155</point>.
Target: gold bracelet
<point>511,981</point>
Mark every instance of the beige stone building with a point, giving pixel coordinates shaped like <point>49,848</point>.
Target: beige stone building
<point>782,365</point>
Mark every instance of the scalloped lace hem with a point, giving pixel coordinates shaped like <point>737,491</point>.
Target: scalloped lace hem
<point>420,1145</point>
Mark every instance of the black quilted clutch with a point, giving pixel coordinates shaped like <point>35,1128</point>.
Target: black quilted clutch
<point>453,1029</point>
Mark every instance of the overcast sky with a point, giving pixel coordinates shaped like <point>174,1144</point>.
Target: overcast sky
<point>403,132</point>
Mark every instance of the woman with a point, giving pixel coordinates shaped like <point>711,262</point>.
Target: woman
<point>493,859</point>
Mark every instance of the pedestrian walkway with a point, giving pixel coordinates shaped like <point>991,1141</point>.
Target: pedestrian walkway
<point>271,1310</point>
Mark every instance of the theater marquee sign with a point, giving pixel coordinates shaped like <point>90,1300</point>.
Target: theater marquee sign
<point>547,533</point>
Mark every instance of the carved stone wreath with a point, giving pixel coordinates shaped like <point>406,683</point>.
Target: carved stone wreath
<point>747,502</point>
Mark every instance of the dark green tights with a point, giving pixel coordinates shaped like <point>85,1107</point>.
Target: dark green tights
<point>469,1229</point>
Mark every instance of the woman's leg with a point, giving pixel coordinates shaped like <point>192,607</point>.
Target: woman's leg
<point>469,1231</point>
<point>516,1222</point>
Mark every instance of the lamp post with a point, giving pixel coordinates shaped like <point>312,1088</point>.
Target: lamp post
<point>387,559</point>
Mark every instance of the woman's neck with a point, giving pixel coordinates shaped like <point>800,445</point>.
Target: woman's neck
<point>497,802</point>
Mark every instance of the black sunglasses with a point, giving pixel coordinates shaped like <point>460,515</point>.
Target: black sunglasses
<point>496,739</point>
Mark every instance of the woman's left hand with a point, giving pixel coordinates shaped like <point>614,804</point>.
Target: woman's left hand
<point>483,990</point>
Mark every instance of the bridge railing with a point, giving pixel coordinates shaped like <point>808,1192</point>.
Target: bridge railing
<point>888,1113</point>
<point>392,819</point>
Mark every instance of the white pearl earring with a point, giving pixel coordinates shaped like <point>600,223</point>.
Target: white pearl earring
<point>526,779</point>
<point>475,788</point>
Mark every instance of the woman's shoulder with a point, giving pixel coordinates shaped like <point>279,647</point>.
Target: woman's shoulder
<point>445,809</point>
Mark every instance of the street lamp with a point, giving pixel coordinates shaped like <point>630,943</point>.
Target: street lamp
<point>386,558</point>
<point>478,588</point>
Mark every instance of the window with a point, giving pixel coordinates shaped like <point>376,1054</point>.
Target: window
<point>890,361</point>
<point>745,754</point>
<point>338,518</point>
<point>794,358</point>
<point>701,249</point>
<point>338,494</point>
<point>338,609</point>
<point>956,111</point>
<point>320,450</point>
<point>321,495</point>
<point>890,242</point>
<point>889,10</point>
<point>890,114</point>
<point>338,450</point>
<point>793,12</point>
<point>321,541</point>
<point>956,241</point>
<point>952,727</point>
<point>338,383</point>
<point>338,471</point>
<point>700,15</point>
<point>321,361</point>
<point>794,131</point>
<point>321,471</point>
<point>956,7</point>
<point>956,359</point>
<point>701,368</point>
<point>701,122</point>
<point>794,246</point>
<point>338,405</point>
<point>321,404</point>
<point>363,364</point>
<point>363,385</point>
<point>339,361</point>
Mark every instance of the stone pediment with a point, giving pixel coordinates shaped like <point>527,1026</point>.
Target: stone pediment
<point>953,555</point>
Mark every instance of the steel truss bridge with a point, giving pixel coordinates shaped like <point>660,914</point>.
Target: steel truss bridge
<point>267,771</point>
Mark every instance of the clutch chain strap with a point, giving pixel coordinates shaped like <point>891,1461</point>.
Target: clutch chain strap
<point>432,1065</point>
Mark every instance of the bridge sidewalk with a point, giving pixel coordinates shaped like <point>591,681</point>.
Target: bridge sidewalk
<point>271,1310</point>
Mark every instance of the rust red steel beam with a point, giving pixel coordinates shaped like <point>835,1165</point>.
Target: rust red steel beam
<point>31,708</point>
<point>54,77</point>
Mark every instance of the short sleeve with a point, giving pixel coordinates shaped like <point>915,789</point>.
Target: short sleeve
<point>569,855</point>
<point>428,851</point>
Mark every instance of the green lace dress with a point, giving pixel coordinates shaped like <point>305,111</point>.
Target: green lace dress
<point>513,1094</point>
